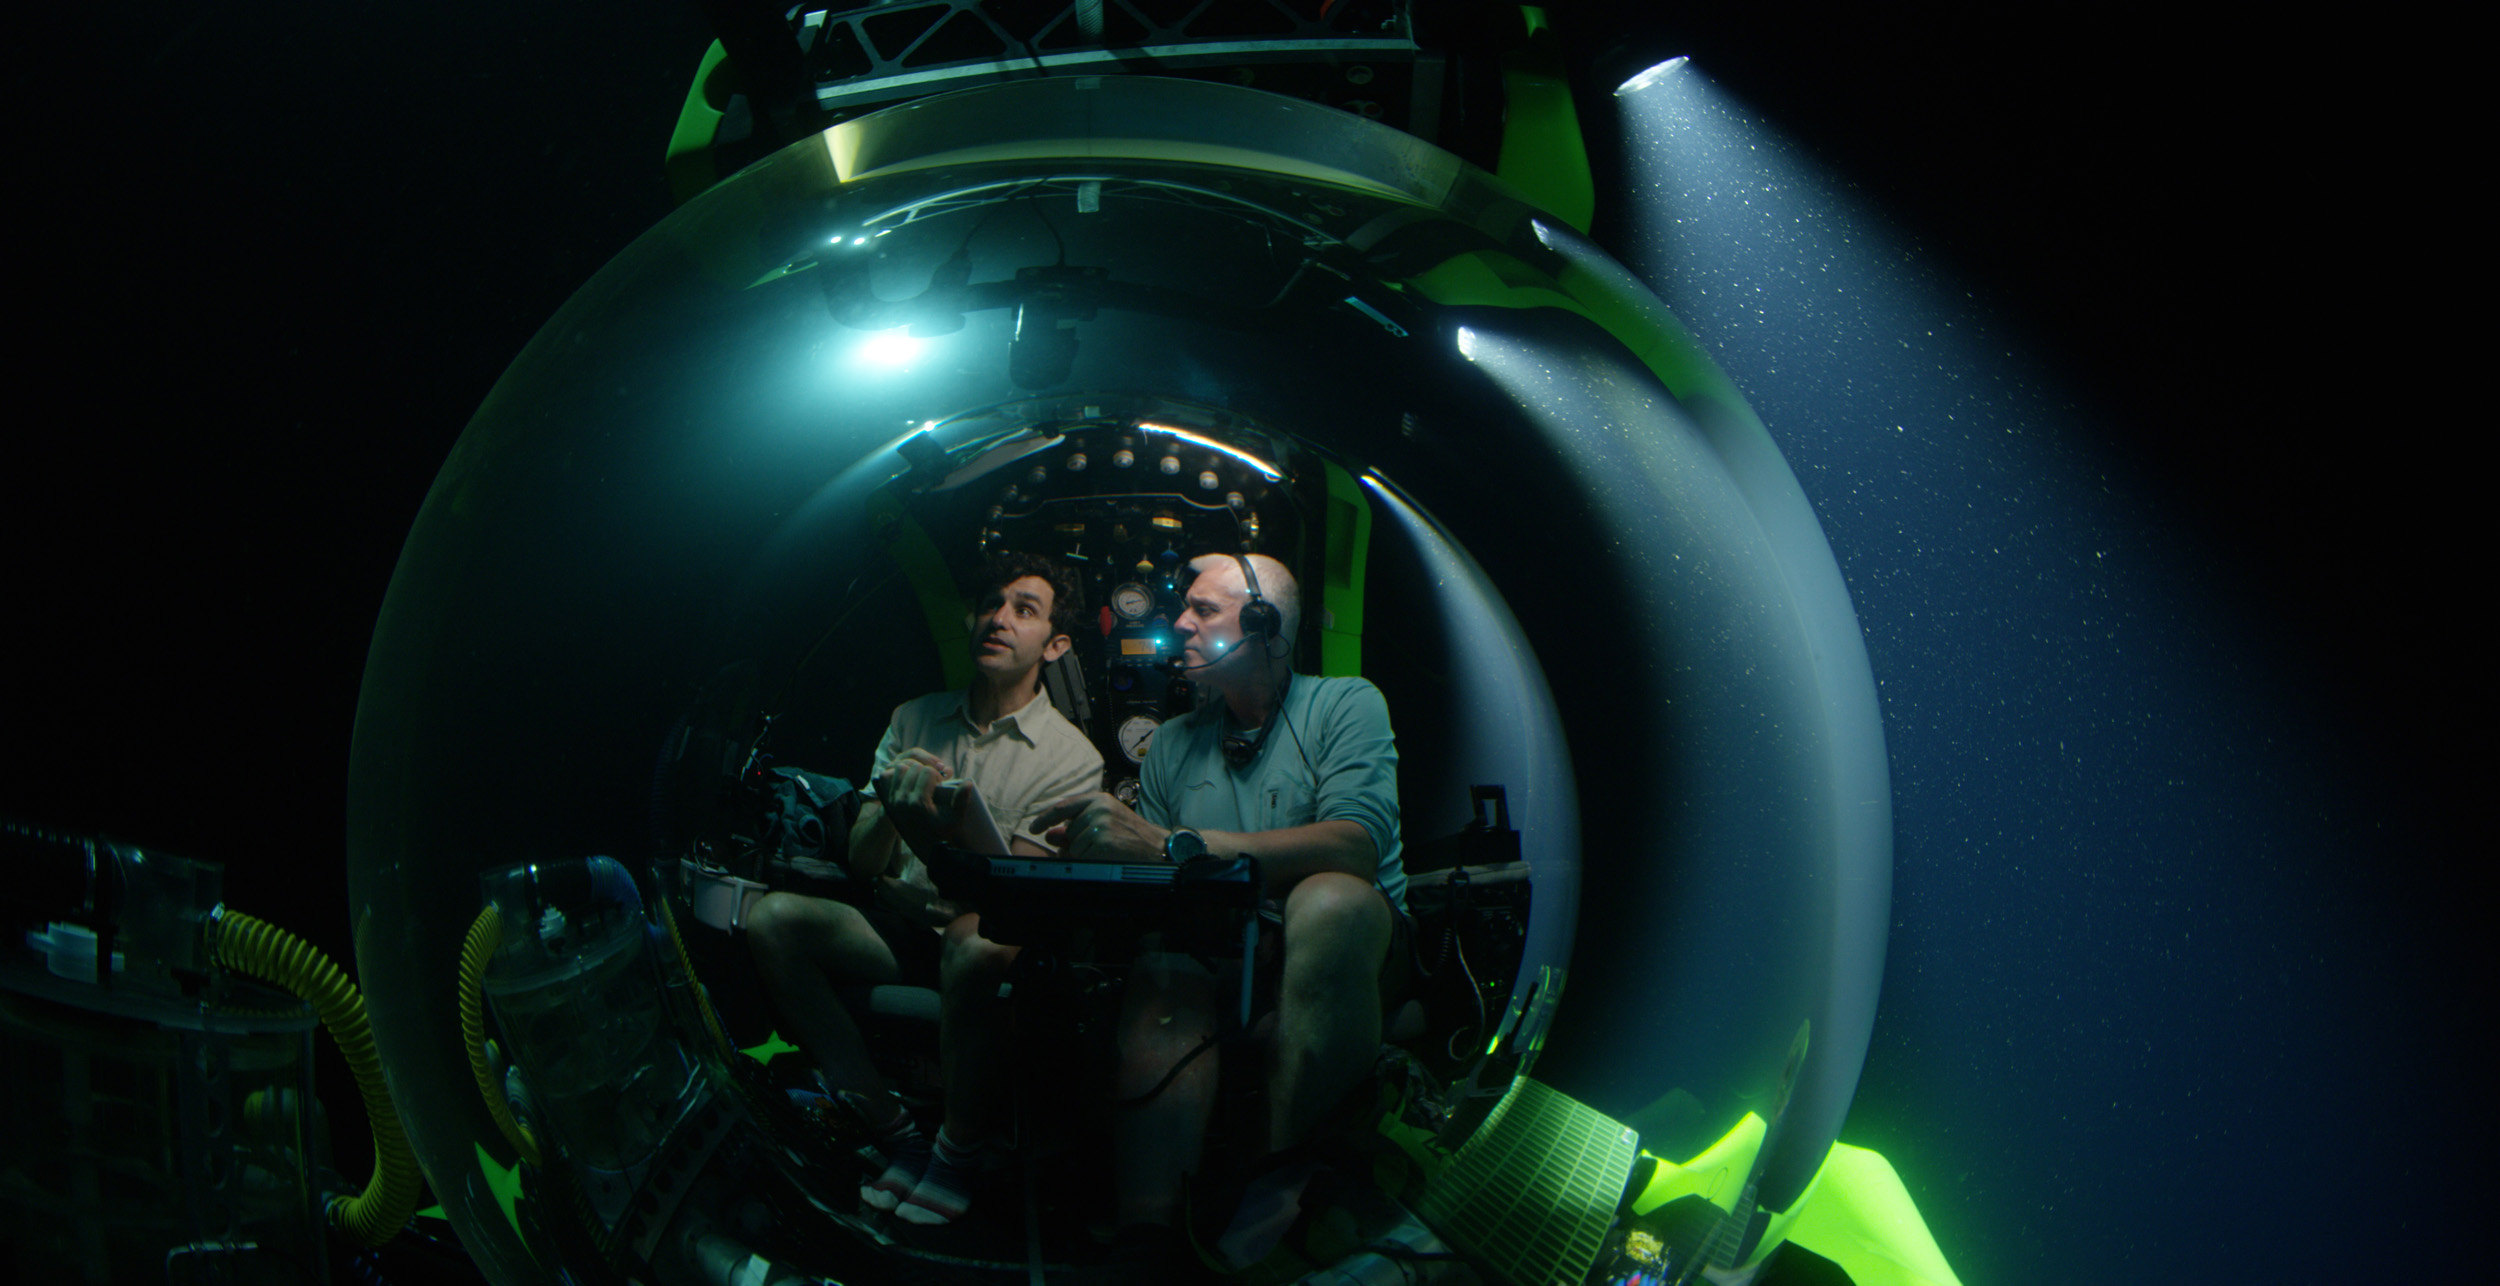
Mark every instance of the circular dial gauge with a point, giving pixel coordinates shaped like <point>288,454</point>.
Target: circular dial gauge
<point>1135,733</point>
<point>1132,602</point>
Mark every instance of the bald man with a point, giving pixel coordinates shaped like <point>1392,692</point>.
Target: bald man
<point>1300,773</point>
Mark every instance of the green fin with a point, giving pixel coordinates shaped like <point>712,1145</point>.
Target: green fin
<point>505,1183</point>
<point>1716,1175</point>
<point>1858,1215</point>
<point>773,1047</point>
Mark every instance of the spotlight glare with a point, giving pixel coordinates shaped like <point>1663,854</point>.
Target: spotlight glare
<point>1265,469</point>
<point>891,349</point>
<point>1652,76</point>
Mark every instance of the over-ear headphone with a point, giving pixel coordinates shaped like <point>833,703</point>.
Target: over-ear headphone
<point>1259,619</point>
<point>1258,616</point>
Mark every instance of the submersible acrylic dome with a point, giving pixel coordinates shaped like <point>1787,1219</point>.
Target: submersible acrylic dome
<point>713,519</point>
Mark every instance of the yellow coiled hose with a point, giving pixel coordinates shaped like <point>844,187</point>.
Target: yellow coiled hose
<point>702,1000</point>
<point>486,934</point>
<point>271,954</point>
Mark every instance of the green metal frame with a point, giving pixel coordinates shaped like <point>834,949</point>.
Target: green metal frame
<point>689,163</point>
<point>1542,153</point>
<point>1347,552</point>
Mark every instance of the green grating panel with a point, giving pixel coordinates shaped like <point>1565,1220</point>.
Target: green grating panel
<point>1533,1193</point>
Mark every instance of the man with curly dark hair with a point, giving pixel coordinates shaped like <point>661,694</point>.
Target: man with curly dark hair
<point>1002,735</point>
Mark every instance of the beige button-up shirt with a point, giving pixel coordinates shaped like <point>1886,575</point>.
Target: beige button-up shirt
<point>1027,760</point>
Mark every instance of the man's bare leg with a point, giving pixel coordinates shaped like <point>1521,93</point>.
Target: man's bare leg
<point>970,967</point>
<point>1167,1011</point>
<point>1337,933</point>
<point>802,945</point>
<point>970,970</point>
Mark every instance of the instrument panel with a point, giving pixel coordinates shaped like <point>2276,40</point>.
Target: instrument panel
<point>1123,502</point>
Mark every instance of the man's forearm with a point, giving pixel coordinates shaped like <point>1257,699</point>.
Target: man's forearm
<point>1097,828</point>
<point>1287,856</point>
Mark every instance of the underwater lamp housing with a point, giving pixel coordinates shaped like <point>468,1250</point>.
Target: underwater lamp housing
<point>1521,499</point>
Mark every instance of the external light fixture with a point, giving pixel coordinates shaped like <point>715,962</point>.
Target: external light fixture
<point>889,349</point>
<point>1652,76</point>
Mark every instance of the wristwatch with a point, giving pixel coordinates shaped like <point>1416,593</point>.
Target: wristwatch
<point>1182,845</point>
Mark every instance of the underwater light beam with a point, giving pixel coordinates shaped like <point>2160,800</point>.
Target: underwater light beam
<point>1704,170</point>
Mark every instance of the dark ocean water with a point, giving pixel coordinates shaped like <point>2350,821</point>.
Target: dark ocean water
<point>2157,992</point>
<point>2137,485</point>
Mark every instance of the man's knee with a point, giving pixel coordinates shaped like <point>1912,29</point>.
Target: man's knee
<point>1166,991</point>
<point>1166,1009</point>
<point>785,928</point>
<point>773,923</point>
<point>967,956</point>
<point>1336,914</point>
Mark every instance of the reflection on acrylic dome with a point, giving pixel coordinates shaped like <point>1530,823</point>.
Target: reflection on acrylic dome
<point>715,523</point>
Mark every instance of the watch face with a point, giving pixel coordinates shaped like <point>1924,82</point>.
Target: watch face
<point>1135,733</point>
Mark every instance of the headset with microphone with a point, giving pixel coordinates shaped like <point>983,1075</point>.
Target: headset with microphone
<point>1258,617</point>
<point>1261,619</point>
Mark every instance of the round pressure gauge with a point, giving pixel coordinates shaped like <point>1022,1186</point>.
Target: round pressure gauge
<point>1135,735</point>
<point>1132,602</point>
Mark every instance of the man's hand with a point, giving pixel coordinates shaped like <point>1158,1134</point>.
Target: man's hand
<point>908,792</point>
<point>1094,827</point>
<point>918,905</point>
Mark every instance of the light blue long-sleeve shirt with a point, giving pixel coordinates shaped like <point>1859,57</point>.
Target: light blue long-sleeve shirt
<point>1328,756</point>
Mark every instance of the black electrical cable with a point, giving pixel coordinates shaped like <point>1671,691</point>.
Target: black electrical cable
<point>1210,1042</point>
<point>1451,1046</point>
<point>1393,1250</point>
<point>1307,765</point>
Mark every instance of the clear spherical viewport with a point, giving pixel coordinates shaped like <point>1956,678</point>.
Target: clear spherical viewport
<point>727,497</point>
